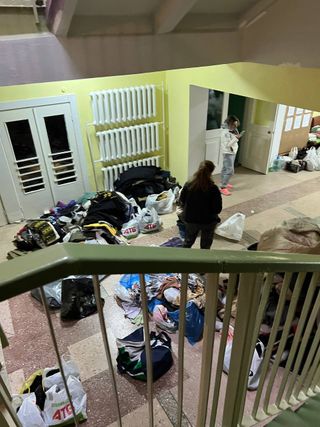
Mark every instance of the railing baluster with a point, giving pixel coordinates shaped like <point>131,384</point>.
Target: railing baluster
<point>55,345</point>
<point>226,319</point>
<point>316,381</point>
<point>182,327</point>
<point>97,294</point>
<point>272,338</point>
<point>144,305</point>
<point>284,336</point>
<point>212,280</point>
<point>305,339</point>
<point>297,336</point>
<point>312,372</point>
<point>311,354</point>
<point>5,398</point>
<point>248,298</point>
<point>261,310</point>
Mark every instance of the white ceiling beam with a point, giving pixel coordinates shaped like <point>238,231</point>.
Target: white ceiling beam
<point>63,18</point>
<point>170,14</point>
<point>255,12</point>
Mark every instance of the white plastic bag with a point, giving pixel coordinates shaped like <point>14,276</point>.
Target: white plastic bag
<point>255,367</point>
<point>163,202</point>
<point>130,229</point>
<point>293,153</point>
<point>232,228</point>
<point>29,414</point>
<point>313,157</point>
<point>122,293</point>
<point>57,408</point>
<point>149,220</point>
<point>70,369</point>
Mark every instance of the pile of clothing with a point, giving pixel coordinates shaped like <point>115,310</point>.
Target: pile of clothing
<point>95,217</point>
<point>106,217</point>
<point>43,399</point>
<point>141,181</point>
<point>163,293</point>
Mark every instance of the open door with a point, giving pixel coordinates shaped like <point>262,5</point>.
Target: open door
<point>257,143</point>
<point>213,137</point>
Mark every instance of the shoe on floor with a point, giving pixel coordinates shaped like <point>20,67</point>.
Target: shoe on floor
<point>225,192</point>
<point>229,186</point>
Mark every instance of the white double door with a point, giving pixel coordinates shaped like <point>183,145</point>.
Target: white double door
<point>39,160</point>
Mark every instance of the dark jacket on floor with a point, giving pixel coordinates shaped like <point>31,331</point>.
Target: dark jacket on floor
<point>201,207</point>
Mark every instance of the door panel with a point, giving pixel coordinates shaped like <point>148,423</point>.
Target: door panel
<point>60,151</point>
<point>213,149</point>
<point>256,144</point>
<point>256,148</point>
<point>22,150</point>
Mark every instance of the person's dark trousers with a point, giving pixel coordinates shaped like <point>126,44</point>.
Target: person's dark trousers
<point>192,231</point>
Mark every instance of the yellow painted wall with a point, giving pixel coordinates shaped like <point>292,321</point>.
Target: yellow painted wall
<point>82,88</point>
<point>279,85</point>
<point>291,86</point>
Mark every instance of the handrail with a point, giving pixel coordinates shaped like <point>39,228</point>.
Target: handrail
<point>250,279</point>
<point>61,260</point>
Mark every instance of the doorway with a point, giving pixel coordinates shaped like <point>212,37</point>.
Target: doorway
<point>270,129</point>
<point>42,159</point>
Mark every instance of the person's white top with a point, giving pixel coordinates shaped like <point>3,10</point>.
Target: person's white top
<point>229,142</point>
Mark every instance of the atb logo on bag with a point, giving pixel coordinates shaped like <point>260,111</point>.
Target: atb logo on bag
<point>150,226</point>
<point>62,413</point>
<point>130,230</point>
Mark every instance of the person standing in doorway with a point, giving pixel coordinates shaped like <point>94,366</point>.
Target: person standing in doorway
<point>229,144</point>
<point>201,202</point>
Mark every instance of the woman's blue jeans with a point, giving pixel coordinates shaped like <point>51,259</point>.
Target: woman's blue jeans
<point>227,169</point>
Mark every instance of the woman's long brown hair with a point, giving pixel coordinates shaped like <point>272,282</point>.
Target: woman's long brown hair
<point>202,180</point>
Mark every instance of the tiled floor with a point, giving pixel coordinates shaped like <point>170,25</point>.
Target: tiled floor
<point>265,200</point>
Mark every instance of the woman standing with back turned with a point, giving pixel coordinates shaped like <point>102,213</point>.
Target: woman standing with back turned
<point>201,201</point>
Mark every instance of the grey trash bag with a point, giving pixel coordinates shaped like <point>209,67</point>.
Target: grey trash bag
<point>52,293</point>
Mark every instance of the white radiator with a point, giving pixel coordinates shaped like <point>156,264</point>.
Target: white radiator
<point>111,173</point>
<point>128,141</point>
<point>123,105</point>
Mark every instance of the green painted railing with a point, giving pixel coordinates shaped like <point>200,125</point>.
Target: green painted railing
<point>255,270</point>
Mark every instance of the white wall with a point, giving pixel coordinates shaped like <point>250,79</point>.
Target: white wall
<point>43,58</point>
<point>3,218</point>
<point>287,34</point>
<point>197,129</point>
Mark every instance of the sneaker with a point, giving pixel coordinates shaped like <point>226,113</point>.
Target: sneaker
<point>225,192</point>
<point>229,186</point>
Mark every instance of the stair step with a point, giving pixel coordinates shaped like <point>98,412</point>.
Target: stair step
<point>306,416</point>
<point>286,418</point>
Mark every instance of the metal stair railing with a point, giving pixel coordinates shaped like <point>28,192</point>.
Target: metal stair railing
<point>250,278</point>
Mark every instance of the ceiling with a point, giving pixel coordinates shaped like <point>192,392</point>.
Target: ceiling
<point>122,17</point>
<point>69,18</point>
